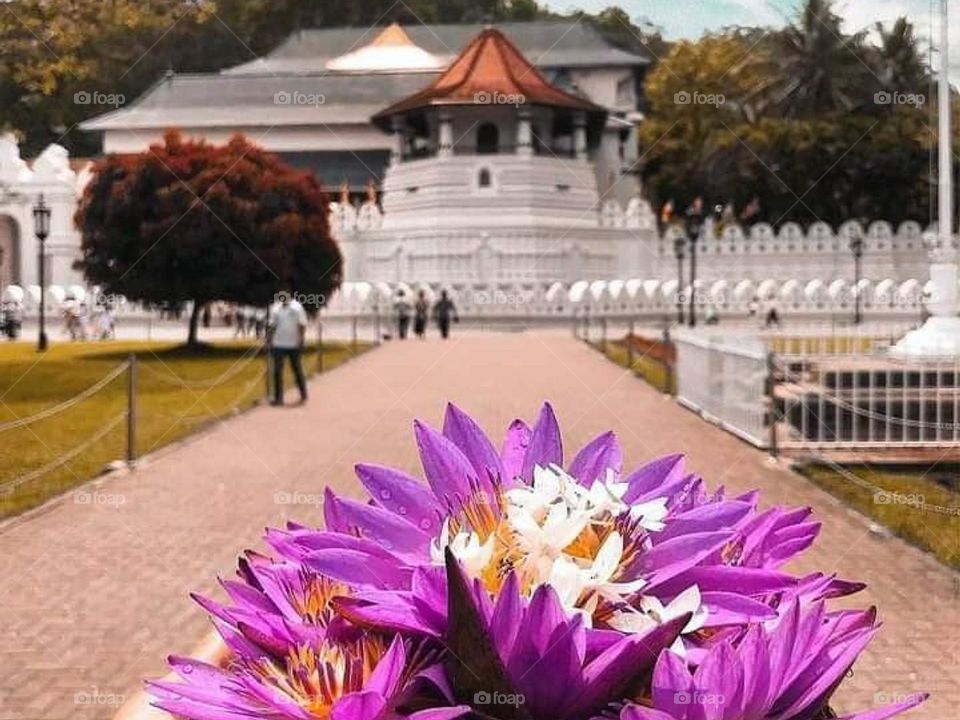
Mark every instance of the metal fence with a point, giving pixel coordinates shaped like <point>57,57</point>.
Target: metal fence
<point>820,392</point>
<point>726,382</point>
<point>865,400</point>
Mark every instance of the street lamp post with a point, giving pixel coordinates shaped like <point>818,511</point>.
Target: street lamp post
<point>856,246</point>
<point>693,223</point>
<point>41,228</point>
<point>678,250</point>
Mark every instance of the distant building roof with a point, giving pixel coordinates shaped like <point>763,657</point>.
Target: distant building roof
<point>293,85</point>
<point>490,67</point>
<point>200,101</point>
<point>550,43</point>
<point>390,51</point>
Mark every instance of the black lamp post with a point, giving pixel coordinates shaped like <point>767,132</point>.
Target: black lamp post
<point>41,228</point>
<point>856,246</point>
<point>678,250</point>
<point>693,223</point>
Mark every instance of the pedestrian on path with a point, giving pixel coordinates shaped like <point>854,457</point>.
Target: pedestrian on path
<point>445,311</point>
<point>402,309</point>
<point>421,311</point>
<point>286,333</point>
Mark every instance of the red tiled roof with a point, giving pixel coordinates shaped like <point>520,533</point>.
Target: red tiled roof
<point>490,67</point>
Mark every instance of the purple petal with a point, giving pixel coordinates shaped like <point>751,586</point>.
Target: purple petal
<point>389,611</point>
<point>365,705</point>
<point>358,569</point>
<point>442,713</point>
<point>729,578</point>
<point>402,494</point>
<point>671,685</point>
<point>448,472</point>
<point>598,455</point>
<point>638,712</point>
<point>507,614</point>
<point>652,477</point>
<point>331,519</point>
<point>705,518</point>
<point>384,678</point>
<point>666,561</point>
<point>392,532</point>
<point>514,450</point>
<point>727,608</point>
<point>476,446</point>
<point>617,668</point>
<point>546,446</point>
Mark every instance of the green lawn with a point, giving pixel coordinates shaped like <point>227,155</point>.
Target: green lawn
<point>910,503</point>
<point>653,371</point>
<point>177,392</point>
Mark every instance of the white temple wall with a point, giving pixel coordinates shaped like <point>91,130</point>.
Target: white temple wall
<point>21,186</point>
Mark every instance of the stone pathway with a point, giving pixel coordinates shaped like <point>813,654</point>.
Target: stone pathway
<point>94,594</point>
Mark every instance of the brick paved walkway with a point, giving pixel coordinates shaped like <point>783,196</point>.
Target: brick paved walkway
<point>94,596</point>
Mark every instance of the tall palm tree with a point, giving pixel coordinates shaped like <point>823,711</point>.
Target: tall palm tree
<point>821,70</point>
<point>898,62</point>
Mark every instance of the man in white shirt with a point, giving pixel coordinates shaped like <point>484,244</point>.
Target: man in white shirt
<point>286,334</point>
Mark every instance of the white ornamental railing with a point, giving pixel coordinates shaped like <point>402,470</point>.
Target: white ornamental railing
<point>725,382</point>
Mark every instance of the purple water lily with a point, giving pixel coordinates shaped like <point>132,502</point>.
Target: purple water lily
<point>510,586</point>
<point>787,672</point>
<point>362,681</point>
<point>626,550</point>
<point>513,658</point>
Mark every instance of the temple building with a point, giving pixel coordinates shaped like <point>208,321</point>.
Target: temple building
<point>491,179</point>
<point>456,157</point>
<point>311,99</point>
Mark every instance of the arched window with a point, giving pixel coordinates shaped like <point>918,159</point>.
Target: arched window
<point>483,178</point>
<point>488,139</point>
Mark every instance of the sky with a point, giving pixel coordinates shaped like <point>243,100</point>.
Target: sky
<point>690,18</point>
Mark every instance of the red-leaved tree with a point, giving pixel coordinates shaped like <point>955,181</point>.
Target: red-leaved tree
<point>187,221</point>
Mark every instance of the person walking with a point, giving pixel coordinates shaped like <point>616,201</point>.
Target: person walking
<point>286,333</point>
<point>421,311</point>
<point>445,311</point>
<point>402,309</point>
<point>772,315</point>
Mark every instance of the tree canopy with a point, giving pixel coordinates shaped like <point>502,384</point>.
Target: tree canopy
<point>808,122</point>
<point>189,221</point>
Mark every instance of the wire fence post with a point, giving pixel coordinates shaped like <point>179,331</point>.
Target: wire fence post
<point>603,334</point>
<point>377,330</point>
<point>353,334</point>
<point>319,346</point>
<point>772,402</point>
<point>268,375</point>
<point>630,334</point>
<point>131,410</point>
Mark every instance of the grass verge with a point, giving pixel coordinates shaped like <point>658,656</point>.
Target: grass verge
<point>654,371</point>
<point>178,392</point>
<point>907,501</point>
